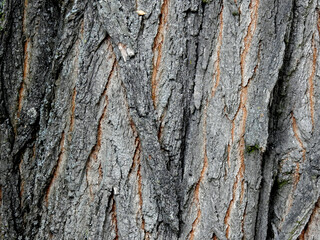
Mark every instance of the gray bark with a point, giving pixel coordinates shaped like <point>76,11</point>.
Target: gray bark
<point>163,119</point>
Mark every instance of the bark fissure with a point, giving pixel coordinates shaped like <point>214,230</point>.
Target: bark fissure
<point>157,51</point>
<point>73,107</point>
<point>196,198</point>
<point>24,77</point>
<point>311,78</point>
<point>250,32</point>
<point>159,146</point>
<point>306,231</point>
<point>96,148</point>
<point>114,217</point>
<point>217,63</point>
<point>297,136</point>
<point>242,106</point>
<point>56,170</point>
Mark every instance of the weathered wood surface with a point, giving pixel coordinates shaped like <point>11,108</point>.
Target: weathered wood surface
<point>163,119</point>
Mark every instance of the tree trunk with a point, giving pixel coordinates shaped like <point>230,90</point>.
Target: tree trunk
<point>193,119</point>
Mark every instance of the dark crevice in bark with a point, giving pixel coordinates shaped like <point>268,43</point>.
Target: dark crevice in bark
<point>187,93</point>
<point>269,166</point>
<point>13,9</point>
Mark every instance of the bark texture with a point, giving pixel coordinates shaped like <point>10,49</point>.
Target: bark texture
<point>169,119</point>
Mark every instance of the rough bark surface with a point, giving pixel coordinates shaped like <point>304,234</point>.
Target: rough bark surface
<point>162,119</point>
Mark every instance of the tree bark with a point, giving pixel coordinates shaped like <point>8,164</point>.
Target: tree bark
<point>163,119</point>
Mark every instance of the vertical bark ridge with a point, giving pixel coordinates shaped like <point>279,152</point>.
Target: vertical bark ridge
<point>248,38</point>
<point>93,156</point>
<point>24,18</point>
<point>242,106</point>
<point>196,198</point>
<point>217,63</point>
<point>21,180</point>
<point>136,163</point>
<point>157,50</point>
<point>296,175</point>
<point>73,108</point>
<point>297,136</point>
<point>114,218</point>
<point>24,78</point>
<point>57,169</point>
<point>140,189</point>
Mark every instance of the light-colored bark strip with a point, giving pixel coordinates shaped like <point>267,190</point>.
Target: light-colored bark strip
<point>196,198</point>
<point>242,106</point>
<point>25,6</point>
<point>250,32</point>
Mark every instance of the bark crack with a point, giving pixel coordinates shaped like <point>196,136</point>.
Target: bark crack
<point>26,68</point>
<point>157,51</point>
<point>297,136</point>
<point>204,168</point>
<point>137,163</point>
<point>312,218</point>
<point>296,176</point>
<point>114,218</point>
<point>217,62</point>
<point>250,32</point>
<point>242,106</point>
<point>95,150</point>
<point>311,78</point>
<point>56,171</point>
<point>73,107</point>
